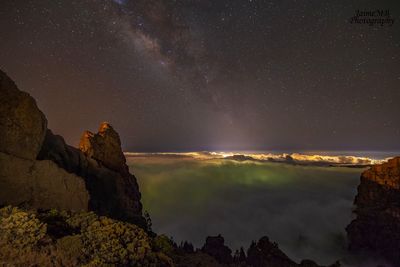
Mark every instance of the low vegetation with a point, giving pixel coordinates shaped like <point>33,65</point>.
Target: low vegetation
<point>53,238</point>
<point>60,238</point>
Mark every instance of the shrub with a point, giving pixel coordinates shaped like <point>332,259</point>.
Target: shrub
<point>81,220</point>
<point>83,239</point>
<point>163,244</point>
<point>71,248</point>
<point>20,229</point>
<point>21,234</point>
<point>114,242</point>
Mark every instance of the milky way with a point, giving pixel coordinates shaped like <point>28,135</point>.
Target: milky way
<point>210,75</point>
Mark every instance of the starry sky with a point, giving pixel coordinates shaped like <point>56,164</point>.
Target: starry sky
<point>209,75</point>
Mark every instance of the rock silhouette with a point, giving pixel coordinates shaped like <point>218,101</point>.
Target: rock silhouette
<point>216,248</point>
<point>105,147</point>
<point>376,230</point>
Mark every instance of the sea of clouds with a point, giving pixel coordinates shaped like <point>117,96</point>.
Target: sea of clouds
<point>304,208</point>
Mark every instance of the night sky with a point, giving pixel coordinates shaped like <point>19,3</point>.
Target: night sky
<point>210,74</point>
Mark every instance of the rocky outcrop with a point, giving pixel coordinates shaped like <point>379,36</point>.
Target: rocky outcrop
<point>38,169</point>
<point>265,253</point>
<point>216,248</point>
<point>113,192</point>
<point>22,124</point>
<point>376,229</point>
<point>105,147</point>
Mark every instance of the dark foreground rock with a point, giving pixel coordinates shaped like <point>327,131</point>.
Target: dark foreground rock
<point>266,253</point>
<point>39,170</point>
<point>22,124</point>
<point>40,184</point>
<point>376,229</point>
<point>262,253</point>
<point>216,248</point>
<point>113,192</point>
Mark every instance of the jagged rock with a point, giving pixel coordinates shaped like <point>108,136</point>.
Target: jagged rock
<point>105,147</point>
<point>39,169</point>
<point>123,191</point>
<point>22,124</point>
<point>265,253</point>
<point>40,184</point>
<point>376,229</point>
<point>114,193</point>
<point>216,248</point>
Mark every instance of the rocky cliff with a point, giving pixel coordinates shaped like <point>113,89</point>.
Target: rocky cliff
<point>38,169</point>
<point>376,229</point>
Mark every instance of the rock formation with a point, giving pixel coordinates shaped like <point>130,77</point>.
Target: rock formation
<point>38,169</point>
<point>216,248</point>
<point>23,125</point>
<point>376,229</point>
<point>113,192</point>
<point>105,147</point>
<point>263,253</point>
<point>23,179</point>
<point>266,253</point>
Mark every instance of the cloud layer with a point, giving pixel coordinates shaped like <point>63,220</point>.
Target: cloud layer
<point>335,159</point>
<point>303,208</point>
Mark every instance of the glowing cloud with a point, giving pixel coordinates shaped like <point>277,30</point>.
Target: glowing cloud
<point>294,158</point>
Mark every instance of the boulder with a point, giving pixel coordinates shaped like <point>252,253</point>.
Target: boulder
<point>22,124</point>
